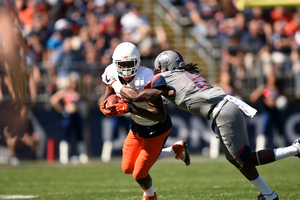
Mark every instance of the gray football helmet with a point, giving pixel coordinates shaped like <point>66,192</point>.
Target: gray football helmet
<point>167,61</point>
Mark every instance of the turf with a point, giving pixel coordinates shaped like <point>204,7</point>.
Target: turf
<point>204,179</point>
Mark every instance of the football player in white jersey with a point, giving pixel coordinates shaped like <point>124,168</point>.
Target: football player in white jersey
<point>183,85</point>
<point>150,126</point>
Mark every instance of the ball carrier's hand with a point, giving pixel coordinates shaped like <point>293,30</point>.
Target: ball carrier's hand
<point>114,106</point>
<point>122,107</point>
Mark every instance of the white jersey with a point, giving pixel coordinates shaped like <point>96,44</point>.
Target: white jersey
<point>140,80</point>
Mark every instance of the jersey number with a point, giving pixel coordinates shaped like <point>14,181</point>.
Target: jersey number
<point>198,80</point>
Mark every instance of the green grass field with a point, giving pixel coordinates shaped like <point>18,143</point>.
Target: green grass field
<point>204,179</point>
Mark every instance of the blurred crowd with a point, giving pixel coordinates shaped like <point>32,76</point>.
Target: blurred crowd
<point>80,36</point>
<point>254,42</point>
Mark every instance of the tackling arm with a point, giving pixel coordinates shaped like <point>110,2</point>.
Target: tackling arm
<point>135,95</point>
<point>155,112</point>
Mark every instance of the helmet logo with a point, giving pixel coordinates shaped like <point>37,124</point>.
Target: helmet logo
<point>163,60</point>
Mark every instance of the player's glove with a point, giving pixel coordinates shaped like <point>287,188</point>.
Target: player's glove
<point>122,107</point>
<point>104,110</point>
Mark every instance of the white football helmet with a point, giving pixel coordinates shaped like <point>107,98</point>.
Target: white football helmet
<point>167,61</point>
<point>125,52</point>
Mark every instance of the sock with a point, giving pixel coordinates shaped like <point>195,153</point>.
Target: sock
<point>149,192</point>
<point>285,152</point>
<point>166,153</point>
<point>261,185</point>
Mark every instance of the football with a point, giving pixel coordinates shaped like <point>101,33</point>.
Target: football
<point>112,99</point>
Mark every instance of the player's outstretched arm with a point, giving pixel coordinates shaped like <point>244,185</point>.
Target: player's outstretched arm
<point>156,110</point>
<point>135,95</point>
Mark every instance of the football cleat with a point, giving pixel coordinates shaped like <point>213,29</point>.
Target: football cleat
<point>297,145</point>
<point>272,196</point>
<point>181,150</point>
<point>150,198</point>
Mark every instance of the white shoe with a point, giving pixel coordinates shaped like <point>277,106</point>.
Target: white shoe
<point>83,158</point>
<point>297,145</point>
<point>106,151</point>
<point>272,196</point>
<point>74,159</point>
<point>14,161</point>
<point>63,152</point>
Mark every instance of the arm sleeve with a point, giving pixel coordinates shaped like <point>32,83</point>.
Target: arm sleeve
<point>158,81</point>
<point>107,77</point>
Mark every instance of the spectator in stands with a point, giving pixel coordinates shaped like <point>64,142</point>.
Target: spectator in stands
<point>232,57</point>
<point>225,83</point>
<point>255,38</point>
<point>133,19</point>
<point>296,69</point>
<point>291,27</point>
<point>254,43</point>
<point>126,35</point>
<point>86,43</point>
<point>35,49</point>
<point>26,11</point>
<point>40,23</point>
<point>162,39</point>
<point>65,59</point>
<point>280,13</point>
<point>27,143</point>
<point>145,43</point>
<point>196,18</point>
<point>110,26</point>
<point>281,43</point>
<point>71,121</point>
<point>106,58</point>
<point>34,59</point>
<point>62,31</point>
<point>99,9</point>
<point>98,40</point>
<point>271,114</point>
<point>91,71</point>
<point>16,129</point>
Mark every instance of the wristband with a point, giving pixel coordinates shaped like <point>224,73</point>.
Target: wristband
<point>117,86</point>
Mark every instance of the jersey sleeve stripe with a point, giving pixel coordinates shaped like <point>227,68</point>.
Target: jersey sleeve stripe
<point>158,81</point>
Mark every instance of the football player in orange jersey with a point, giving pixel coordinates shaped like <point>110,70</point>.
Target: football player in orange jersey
<point>144,143</point>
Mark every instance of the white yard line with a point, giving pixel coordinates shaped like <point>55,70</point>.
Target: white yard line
<point>18,196</point>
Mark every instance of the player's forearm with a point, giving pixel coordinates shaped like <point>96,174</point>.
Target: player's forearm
<point>134,95</point>
<point>151,114</point>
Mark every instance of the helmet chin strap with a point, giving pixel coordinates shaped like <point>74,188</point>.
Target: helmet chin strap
<point>125,80</point>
